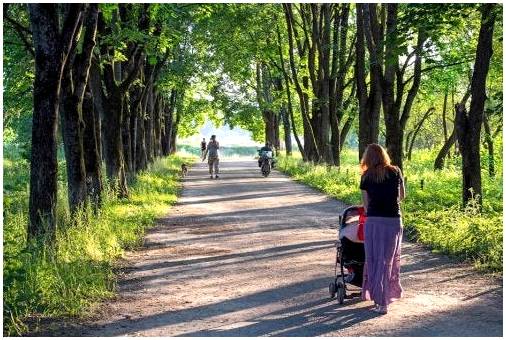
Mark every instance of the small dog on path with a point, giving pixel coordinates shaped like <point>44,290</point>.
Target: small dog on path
<point>184,170</point>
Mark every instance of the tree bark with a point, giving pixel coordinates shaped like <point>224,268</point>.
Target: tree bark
<point>149,124</point>
<point>126,138</point>
<point>286,130</point>
<point>339,69</point>
<point>369,102</point>
<point>134,114</point>
<point>289,95</point>
<point>113,105</point>
<point>445,150</point>
<point>74,80</point>
<point>92,161</point>
<point>321,38</point>
<point>445,127</point>
<point>158,125</point>
<point>311,151</point>
<point>71,117</point>
<point>51,50</point>
<point>168,122</point>
<point>490,145</point>
<point>113,144</point>
<point>97,92</point>
<point>417,129</point>
<point>178,105</point>
<point>469,125</point>
<point>141,162</point>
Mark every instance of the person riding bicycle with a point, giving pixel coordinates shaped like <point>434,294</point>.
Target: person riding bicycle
<point>265,148</point>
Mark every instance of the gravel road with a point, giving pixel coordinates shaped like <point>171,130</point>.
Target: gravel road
<point>249,256</point>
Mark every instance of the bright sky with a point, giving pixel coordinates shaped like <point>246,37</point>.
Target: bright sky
<point>224,135</point>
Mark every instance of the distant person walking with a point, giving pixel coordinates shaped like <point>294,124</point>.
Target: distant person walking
<point>202,147</point>
<point>382,188</point>
<point>213,159</point>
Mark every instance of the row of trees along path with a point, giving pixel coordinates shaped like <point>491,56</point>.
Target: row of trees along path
<point>98,69</point>
<point>122,77</point>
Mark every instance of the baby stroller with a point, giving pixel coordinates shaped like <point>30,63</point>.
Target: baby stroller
<point>350,253</point>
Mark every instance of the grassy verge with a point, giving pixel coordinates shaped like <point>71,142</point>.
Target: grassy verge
<point>68,279</point>
<point>433,214</point>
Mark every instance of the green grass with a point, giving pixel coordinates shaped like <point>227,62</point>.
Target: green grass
<point>433,215</point>
<point>69,278</point>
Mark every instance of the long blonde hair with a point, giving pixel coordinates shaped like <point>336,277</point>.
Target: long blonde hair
<point>375,163</point>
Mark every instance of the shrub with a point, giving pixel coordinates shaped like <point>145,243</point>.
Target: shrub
<point>433,214</point>
<point>78,271</point>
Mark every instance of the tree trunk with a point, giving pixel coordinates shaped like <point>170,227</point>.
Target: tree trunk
<point>113,105</point>
<point>393,135</point>
<point>445,127</point>
<point>92,163</point>
<point>417,129</point>
<point>345,130</point>
<point>134,113</point>
<point>98,95</point>
<point>270,126</point>
<point>445,150</point>
<point>178,104</point>
<point>149,125</point>
<point>168,116</point>
<point>113,144</point>
<point>140,147</point>
<point>158,125</point>
<point>74,80</point>
<point>127,139</point>
<point>490,145</point>
<point>51,50</point>
<point>288,96</point>
<point>71,117</point>
<point>469,125</point>
<point>286,130</point>
<point>369,102</point>
<point>323,128</point>
<point>310,150</point>
<point>337,83</point>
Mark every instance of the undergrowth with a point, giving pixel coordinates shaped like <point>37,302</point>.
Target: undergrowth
<point>432,214</point>
<point>78,271</point>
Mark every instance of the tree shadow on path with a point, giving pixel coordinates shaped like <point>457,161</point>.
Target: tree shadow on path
<point>322,315</point>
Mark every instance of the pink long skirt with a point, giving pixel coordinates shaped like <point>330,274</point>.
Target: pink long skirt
<point>382,243</point>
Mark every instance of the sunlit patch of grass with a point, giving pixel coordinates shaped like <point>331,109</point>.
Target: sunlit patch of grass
<point>78,272</point>
<point>433,214</point>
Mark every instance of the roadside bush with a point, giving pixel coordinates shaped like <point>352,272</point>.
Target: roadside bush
<point>78,271</point>
<point>432,214</point>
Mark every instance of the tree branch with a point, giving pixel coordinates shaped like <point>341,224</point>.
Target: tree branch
<point>21,31</point>
<point>84,61</point>
<point>70,26</point>
<point>430,68</point>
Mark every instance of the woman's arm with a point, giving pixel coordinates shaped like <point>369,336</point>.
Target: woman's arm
<point>365,200</point>
<point>402,189</point>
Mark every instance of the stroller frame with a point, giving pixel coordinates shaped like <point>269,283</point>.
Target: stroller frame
<point>338,286</point>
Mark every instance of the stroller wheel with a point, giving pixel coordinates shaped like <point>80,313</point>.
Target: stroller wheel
<point>332,290</point>
<point>341,293</point>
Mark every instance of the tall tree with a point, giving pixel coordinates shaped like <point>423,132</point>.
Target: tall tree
<point>74,80</point>
<point>113,105</point>
<point>468,125</point>
<point>52,46</point>
<point>369,100</point>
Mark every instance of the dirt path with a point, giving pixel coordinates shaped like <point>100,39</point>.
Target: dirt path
<point>248,256</point>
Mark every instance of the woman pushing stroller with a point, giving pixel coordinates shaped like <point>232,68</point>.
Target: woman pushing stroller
<point>382,188</point>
